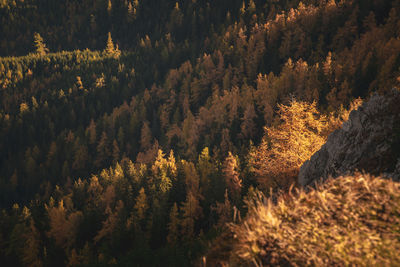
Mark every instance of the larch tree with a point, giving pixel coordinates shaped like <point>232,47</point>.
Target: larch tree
<point>205,167</point>
<point>110,223</point>
<point>192,179</point>
<point>231,174</point>
<point>116,152</point>
<point>111,50</point>
<point>164,170</point>
<point>63,226</point>
<point>91,132</point>
<point>81,155</point>
<point>173,225</point>
<point>223,210</point>
<point>283,150</point>
<point>103,150</point>
<point>40,46</point>
<point>146,136</point>
<point>192,211</point>
<point>141,205</point>
<point>248,126</point>
<point>31,254</point>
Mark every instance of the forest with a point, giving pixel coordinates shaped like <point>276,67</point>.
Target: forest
<point>143,132</point>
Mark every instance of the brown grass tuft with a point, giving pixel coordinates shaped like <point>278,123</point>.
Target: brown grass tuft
<point>353,220</point>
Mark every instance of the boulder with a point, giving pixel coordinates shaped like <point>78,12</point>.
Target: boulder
<point>369,141</point>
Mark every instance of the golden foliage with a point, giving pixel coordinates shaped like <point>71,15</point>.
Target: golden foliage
<point>278,158</point>
<point>285,148</point>
<point>40,46</point>
<point>353,220</point>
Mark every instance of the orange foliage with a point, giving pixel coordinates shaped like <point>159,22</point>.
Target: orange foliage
<point>278,158</point>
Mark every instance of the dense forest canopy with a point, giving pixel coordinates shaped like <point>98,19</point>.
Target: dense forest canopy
<point>132,131</point>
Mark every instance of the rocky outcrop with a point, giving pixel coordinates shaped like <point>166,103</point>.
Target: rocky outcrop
<point>369,141</point>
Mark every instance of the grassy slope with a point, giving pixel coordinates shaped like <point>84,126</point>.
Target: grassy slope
<point>352,220</point>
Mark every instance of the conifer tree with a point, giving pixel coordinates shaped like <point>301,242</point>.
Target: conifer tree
<point>102,150</point>
<point>277,160</point>
<point>91,132</point>
<point>40,46</point>
<point>63,227</point>
<point>116,151</point>
<point>110,45</point>
<point>192,211</point>
<point>112,50</point>
<point>223,210</point>
<point>31,252</point>
<point>205,168</point>
<point>110,223</point>
<point>173,226</point>
<point>81,155</point>
<point>231,173</point>
<point>109,6</point>
<point>141,205</point>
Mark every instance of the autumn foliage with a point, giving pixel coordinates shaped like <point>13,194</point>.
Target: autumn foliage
<point>301,131</point>
<point>285,147</point>
<point>132,131</point>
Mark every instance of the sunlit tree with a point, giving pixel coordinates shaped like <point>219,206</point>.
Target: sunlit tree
<point>283,150</point>
<point>40,46</point>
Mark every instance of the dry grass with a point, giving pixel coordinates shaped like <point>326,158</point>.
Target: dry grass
<point>351,220</point>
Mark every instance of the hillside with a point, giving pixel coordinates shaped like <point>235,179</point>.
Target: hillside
<point>132,132</point>
<point>351,220</point>
<point>369,141</point>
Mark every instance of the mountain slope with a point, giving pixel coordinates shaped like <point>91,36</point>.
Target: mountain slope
<point>369,141</point>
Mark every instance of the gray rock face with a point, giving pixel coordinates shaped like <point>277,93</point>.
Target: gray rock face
<point>369,141</point>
